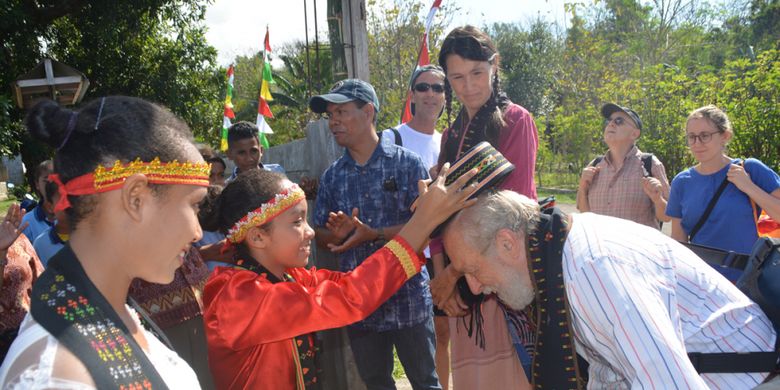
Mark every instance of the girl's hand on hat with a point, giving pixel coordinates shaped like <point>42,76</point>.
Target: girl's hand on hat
<point>435,204</point>
<point>438,201</point>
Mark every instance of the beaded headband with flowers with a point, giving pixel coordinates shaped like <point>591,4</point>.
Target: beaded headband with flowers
<point>108,179</point>
<point>282,201</point>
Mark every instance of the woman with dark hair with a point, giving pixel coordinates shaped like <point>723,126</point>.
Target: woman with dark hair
<point>261,313</point>
<point>471,63</point>
<point>130,181</point>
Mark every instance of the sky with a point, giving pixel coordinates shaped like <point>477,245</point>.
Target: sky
<point>237,27</point>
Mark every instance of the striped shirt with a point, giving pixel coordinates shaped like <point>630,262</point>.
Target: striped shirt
<point>619,193</point>
<point>640,302</point>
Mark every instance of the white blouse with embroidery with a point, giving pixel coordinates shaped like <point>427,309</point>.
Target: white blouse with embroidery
<point>30,363</point>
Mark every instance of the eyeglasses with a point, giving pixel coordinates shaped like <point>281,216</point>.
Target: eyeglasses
<point>424,87</point>
<point>619,121</point>
<point>702,137</point>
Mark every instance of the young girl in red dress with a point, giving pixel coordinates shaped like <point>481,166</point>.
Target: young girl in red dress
<point>260,315</point>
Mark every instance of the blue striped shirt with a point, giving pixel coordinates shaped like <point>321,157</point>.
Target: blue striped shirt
<point>641,301</point>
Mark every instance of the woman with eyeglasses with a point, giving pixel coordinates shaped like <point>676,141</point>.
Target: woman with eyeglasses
<point>731,225</point>
<point>471,64</point>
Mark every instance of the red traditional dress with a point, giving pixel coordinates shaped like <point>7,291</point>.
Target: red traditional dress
<point>254,326</point>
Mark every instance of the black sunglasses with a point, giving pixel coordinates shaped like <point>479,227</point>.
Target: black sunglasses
<point>424,87</point>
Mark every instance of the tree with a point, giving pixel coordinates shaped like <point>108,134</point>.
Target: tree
<point>530,62</point>
<point>154,49</point>
<point>395,28</point>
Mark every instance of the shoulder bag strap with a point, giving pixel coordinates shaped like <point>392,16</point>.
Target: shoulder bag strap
<point>708,210</point>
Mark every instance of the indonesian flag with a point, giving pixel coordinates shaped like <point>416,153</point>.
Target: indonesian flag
<point>228,110</point>
<point>423,58</point>
<point>263,110</point>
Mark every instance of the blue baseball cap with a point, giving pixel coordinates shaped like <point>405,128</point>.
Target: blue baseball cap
<point>345,91</point>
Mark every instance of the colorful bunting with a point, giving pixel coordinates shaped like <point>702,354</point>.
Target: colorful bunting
<point>228,112</point>
<point>263,110</point>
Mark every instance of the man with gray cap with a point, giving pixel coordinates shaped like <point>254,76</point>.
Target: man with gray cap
<point>364,198</point>
<point>624,182</point>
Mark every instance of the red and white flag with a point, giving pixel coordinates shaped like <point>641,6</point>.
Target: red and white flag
<point>423,58</point>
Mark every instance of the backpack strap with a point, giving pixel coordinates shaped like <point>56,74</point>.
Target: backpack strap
<point>396,135</point>
<point>733,362</point>
<point>709,208</point>
<point>398,140</point>
<point>647,163</point>
<point>596,161</point>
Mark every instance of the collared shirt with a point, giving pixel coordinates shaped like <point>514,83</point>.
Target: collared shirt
<point>38,223</point>
<point>641,301</point>
<point>48,243</point>
<point>268,167</point>
<point>618,192</point>
<point>383,190</point>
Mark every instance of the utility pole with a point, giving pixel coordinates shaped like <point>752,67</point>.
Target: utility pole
<point>349,38</point>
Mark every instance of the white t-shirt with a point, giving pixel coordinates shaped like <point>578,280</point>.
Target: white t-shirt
<point>30,362</point>
<point>425,145</point>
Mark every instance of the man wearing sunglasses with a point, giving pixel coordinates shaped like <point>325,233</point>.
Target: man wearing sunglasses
<point>419,134</point>
<point>624,182</point>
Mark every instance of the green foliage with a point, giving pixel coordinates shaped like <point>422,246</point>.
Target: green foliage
<point>663,60</point>
<point>529,62</point>
<point>395,28</point>
<point>155,49</point>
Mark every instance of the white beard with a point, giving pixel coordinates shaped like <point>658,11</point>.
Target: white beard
<point>516,292</point>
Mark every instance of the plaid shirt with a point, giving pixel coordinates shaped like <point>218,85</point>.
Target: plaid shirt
<point>383,190</point>
<point>619,193</point>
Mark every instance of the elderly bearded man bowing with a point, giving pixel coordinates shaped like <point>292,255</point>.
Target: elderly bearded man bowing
<point>629,300</point>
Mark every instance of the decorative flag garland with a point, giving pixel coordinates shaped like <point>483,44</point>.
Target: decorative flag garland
<point>228,114</point>
<point>263,110</point>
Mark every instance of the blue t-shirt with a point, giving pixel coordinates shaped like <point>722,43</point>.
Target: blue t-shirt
<point>383,190</point>
<point>731,226</point>
<point>47,244</point>
<point>37,223</point>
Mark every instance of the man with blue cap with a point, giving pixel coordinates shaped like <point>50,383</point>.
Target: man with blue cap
<point>364,198</point>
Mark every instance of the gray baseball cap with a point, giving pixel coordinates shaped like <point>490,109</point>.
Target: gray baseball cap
<point>345,91</point>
